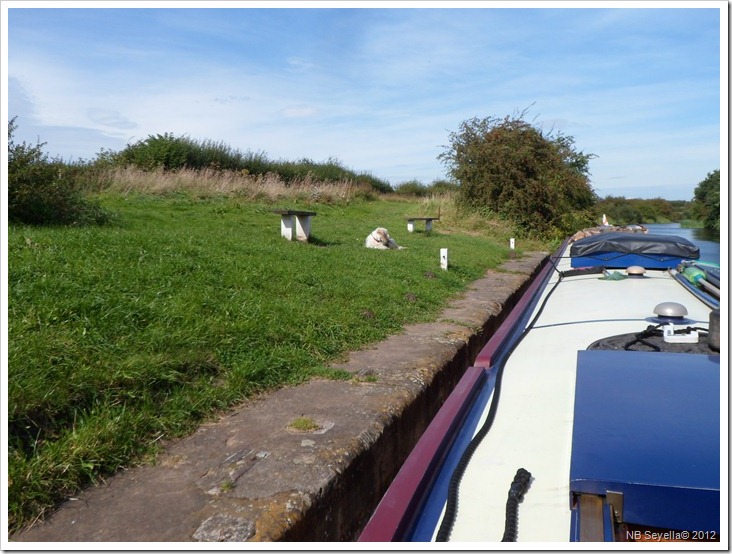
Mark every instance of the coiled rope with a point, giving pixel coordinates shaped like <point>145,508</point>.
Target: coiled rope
<point>518,488</point>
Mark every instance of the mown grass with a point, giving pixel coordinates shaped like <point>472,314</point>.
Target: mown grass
<point>123,335</point>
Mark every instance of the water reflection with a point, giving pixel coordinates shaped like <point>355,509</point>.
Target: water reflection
<point>705,239</point>
<point>705,234</point>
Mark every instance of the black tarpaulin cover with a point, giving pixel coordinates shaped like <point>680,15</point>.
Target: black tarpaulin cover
<point>635,243</point>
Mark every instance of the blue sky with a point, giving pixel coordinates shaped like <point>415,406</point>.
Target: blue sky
<point>381,87</point>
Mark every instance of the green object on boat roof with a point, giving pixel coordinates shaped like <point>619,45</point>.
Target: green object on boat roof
<point>614,276</point>
<point>694,274</point>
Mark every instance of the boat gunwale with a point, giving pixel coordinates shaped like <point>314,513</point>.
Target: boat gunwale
<point>503,336</point>
<point>394,517</point>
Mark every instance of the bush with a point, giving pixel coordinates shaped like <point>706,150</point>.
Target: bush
<point>379,185</point>
<point>416,188</point>
<point>440,186</point>
<point>412,188</point>
<point>512,168</point>
<point>43,191</point>
<point>330,171</point>
<point>169,152</point>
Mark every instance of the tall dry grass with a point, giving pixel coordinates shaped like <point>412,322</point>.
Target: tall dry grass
<point>453,216</point>
<point>269,187</point>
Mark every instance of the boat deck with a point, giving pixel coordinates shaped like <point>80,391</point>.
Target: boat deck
<point>534,420</point>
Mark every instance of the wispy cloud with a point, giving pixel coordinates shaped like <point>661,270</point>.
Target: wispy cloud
<point>110,119</point>
<point>299,65</point>
<point>378,88</point>
<point>299,111</point>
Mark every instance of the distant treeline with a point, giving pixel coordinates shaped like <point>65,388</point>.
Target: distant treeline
<point>702,211</point>
<point>626,211</point>
<point>512,179</point>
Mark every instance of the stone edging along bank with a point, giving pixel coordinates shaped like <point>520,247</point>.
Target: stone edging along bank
<point>250,477</point>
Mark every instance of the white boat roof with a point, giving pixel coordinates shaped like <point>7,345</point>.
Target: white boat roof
<point>534,421</point>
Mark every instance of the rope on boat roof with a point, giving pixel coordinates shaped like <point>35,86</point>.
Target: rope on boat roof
<point>448,520</point>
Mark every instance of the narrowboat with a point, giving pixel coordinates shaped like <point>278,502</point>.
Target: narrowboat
<point>591,415</point>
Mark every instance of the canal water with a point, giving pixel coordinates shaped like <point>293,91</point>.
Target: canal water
<point>706,240</point>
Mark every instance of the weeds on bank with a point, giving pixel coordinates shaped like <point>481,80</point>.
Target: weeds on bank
<point>304,425</point>
<point>125,335</point>
<point>206,182</point>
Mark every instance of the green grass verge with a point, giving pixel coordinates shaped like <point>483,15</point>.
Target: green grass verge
<point>125,334</point>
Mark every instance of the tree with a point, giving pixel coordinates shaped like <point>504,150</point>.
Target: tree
<point>507,165</point>
<point>706,200</point>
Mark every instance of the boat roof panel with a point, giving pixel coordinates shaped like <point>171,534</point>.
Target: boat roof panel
<point>646,424</point>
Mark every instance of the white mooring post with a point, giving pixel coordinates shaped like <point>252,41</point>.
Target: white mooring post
<point>512,243</point>
<point>443,258</point>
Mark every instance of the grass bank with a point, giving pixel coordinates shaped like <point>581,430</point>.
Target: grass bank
<point>124,335</point>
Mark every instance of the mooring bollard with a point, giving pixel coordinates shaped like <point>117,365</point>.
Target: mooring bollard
<point>443,258</point>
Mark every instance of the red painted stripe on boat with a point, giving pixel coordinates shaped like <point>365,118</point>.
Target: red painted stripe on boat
<point>485,356</point>
<point>394,514</point>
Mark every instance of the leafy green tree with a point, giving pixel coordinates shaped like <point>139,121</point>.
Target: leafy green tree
<point>706,200</point>
<point>511,167</point>
<point>43,191</point>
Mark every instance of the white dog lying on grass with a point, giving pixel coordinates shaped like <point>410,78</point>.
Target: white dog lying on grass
<point>380,239</point>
